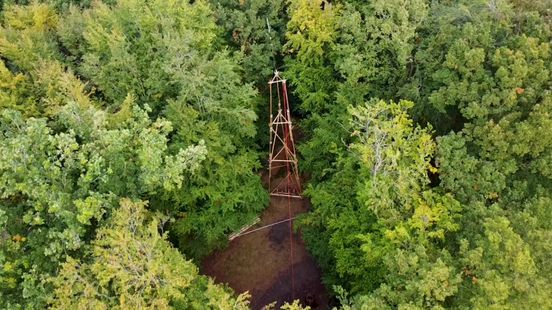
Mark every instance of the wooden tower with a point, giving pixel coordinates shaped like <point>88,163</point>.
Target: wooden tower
<point>283,175</point>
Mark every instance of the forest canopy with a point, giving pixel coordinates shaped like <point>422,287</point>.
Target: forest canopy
<point>132,138</point>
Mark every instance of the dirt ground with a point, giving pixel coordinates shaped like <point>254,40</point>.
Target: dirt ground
<point>260,262</point>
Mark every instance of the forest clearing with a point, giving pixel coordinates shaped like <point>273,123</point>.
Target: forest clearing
<point>283,154</point>
<point>260,262</point>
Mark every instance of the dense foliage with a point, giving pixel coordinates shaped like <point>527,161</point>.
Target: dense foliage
<point>410,217</point>
<point>427,149</point>
<point>134,100</point>
<point>145,273</point>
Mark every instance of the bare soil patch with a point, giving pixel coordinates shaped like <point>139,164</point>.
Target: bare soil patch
<point>260,262</point>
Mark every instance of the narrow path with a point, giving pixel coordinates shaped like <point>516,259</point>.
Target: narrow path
<point>260,262</point>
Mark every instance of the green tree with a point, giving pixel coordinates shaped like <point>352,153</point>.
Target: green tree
<point>103,103</point>
<point>490,77</point>
<point>479,68</point>
<point>256,29</point>
<point>385,236</point>
<point>343,54</point>
<point>131,265</point>
<point>57,187</point>
<point>373,52</point>
<point>163,55</point>
<point>311,31</point>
